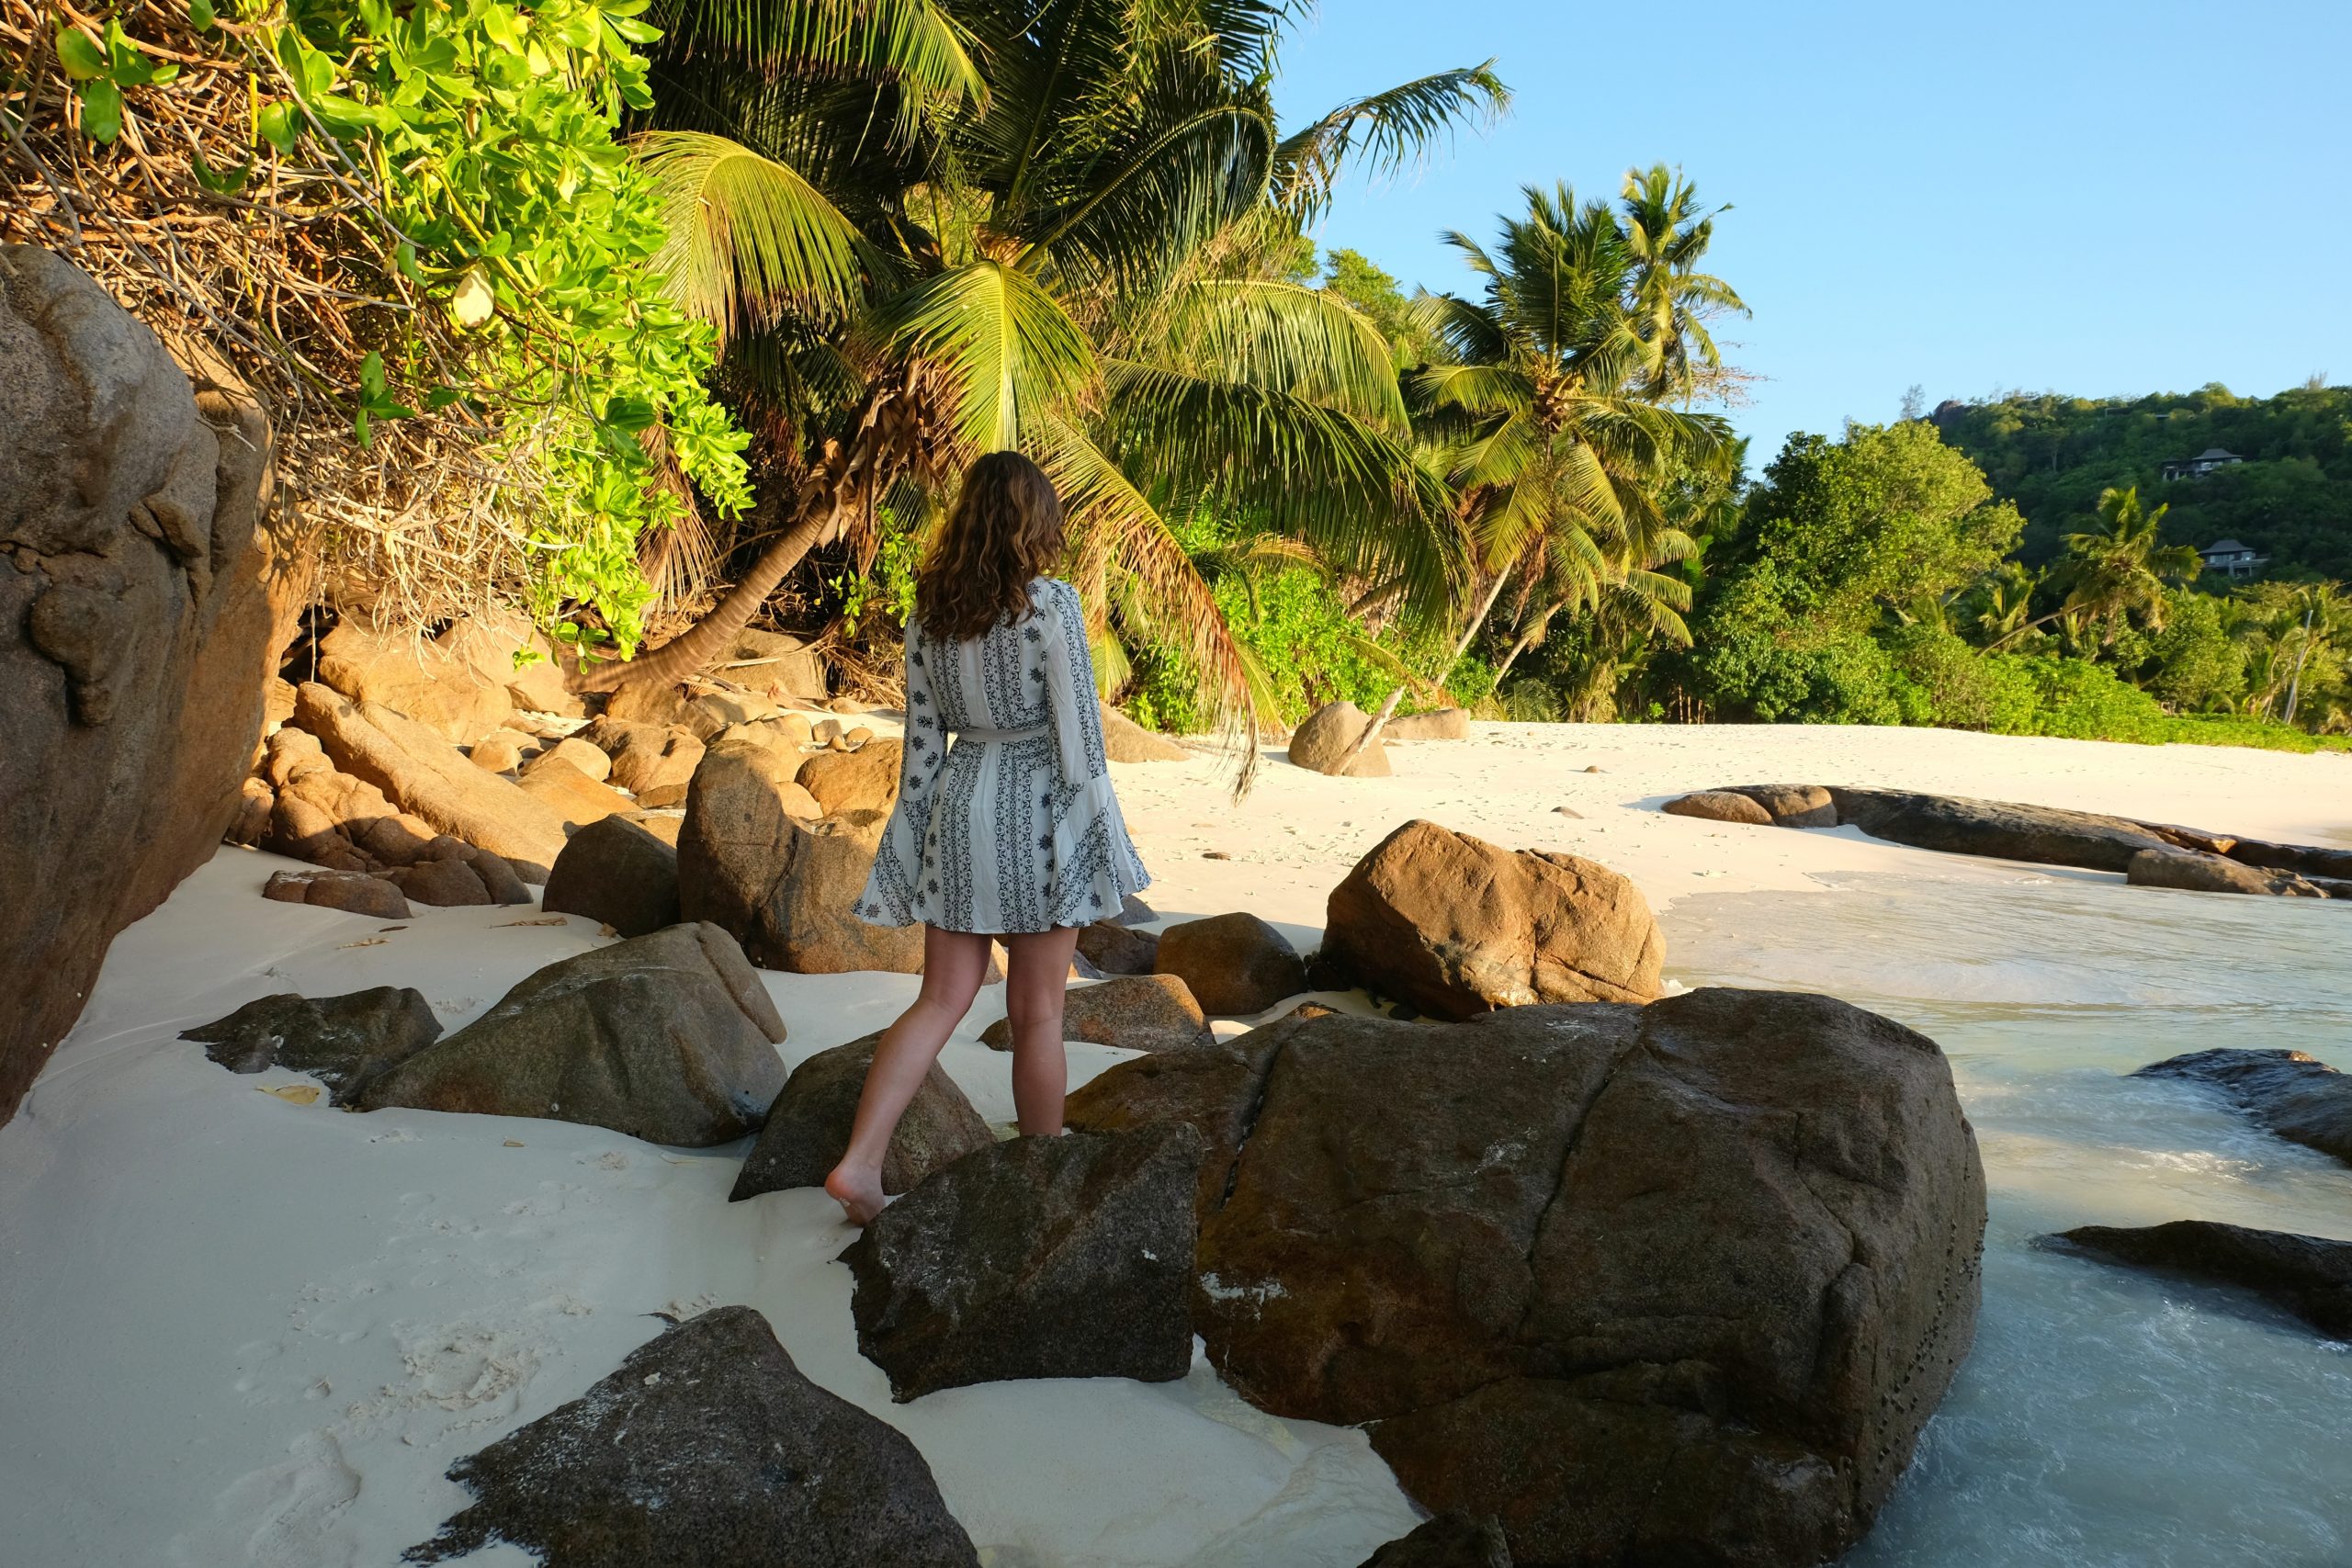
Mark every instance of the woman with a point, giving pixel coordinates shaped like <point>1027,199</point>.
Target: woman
<point>1013,832</point>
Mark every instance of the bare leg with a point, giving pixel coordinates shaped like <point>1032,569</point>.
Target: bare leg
<point>1033,1004</point>
<point>953,964</point>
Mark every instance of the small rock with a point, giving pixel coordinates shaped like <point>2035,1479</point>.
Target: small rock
<point>1235,963</point>
<point>2309,1276</point>
<point>615,872</point>
<point>1450,1541</point>
<point>351,892</point>
<point>1117,949</point>
<point>1718,806</point>
<point>657,703</point>
<point>708,1449</point>
<point>825,731</point>
<point>1596,768</point>
<point>1569,811</point>
<point>807,1127</point>
<point>589,759</point>
<point>499,752</point>
<point>256,803</point>
<point>343,1041</point>
<point>650,762</point>
<point>859,736</point>
<point>668,1037</point>
<point>795,729</point>
<point>1137,1012</point>
<point>1040,1258</point>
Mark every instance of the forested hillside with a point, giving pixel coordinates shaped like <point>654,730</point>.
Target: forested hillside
<point>2291,499</point>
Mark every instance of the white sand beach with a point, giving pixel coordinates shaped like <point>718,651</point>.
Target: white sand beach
<point>241,1329</point>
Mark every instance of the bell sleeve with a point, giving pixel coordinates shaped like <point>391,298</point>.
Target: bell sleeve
<point>1069,692</point>
<point>926,742</point>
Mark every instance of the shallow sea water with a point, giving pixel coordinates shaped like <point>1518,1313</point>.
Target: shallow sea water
<point>2104,1416</point>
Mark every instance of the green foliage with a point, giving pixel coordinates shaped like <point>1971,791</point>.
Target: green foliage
<point>476,140</point>
<point>1356,280</point>
<point>2291,499</point>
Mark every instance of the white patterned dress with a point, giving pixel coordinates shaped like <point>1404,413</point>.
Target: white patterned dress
<point>1015,828</point>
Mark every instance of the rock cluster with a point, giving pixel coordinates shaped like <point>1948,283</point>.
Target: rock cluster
<point>1678,1282</point>
<point>706,1448</point>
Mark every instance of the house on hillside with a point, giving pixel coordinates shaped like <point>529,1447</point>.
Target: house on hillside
<point>2204,463</point>
<point>2229,558</point>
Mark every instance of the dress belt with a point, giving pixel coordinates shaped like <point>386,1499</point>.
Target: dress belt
<point>974,733</point>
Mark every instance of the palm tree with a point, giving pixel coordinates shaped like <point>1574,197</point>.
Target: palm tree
<point>2120,568</point>
<point>2117,571</point>
<point>933,228</point>
<point>1552,417</point>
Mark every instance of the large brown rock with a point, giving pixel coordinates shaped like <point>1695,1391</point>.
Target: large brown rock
<point>1438,724</point>
<point>416,677</point>
<point>1675,1283</point>
<point>668,1037</point>
<point>2299,1097</point>
<point>647,758</point>
<point>2308,1275</point>
<point>2002,829</point>
<point>2195,871</point>
<point>807,1128</point>
<point>783,668</point>
<point>575,798</point>
<point>345,1041</point>
<point>1134,1012</point>
<point>423,774</point>
<point>616,872</point>
<point>1450,1541</point>
<point>1325,734</point>
<point>1793,806</point>
<point>1457,926</point>
<point>142,609</point>
<point>353,892</point>
<point>1040,1258</point>
<point>1118,949</point>
<point>1233,964</point>
<point>708,1449</point>
<point>862,779</point>
<point>785,887</point>
<point>1124,740</point>
<point>1718,806</point>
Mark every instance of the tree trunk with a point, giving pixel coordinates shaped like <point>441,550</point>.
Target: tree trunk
<point>709,639</point>
<point>1388,710</point>
<point>2295,681</point>
<point>1511,658</point>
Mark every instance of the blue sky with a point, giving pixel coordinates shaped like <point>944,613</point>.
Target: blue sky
<point>2096,199</point>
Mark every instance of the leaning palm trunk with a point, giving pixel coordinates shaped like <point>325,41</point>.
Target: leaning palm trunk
<point>1388,710</point>
<point>890,440</point>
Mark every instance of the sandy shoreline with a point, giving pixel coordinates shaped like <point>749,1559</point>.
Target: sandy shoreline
<point>241,1330</point>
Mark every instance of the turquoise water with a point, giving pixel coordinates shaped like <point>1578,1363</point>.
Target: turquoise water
<point>2105,1418</point>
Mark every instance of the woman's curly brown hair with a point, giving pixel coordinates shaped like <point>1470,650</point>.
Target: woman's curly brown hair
<point>1006,530</point>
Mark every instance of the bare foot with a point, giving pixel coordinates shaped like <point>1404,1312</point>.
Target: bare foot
<point>859,1192</point>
